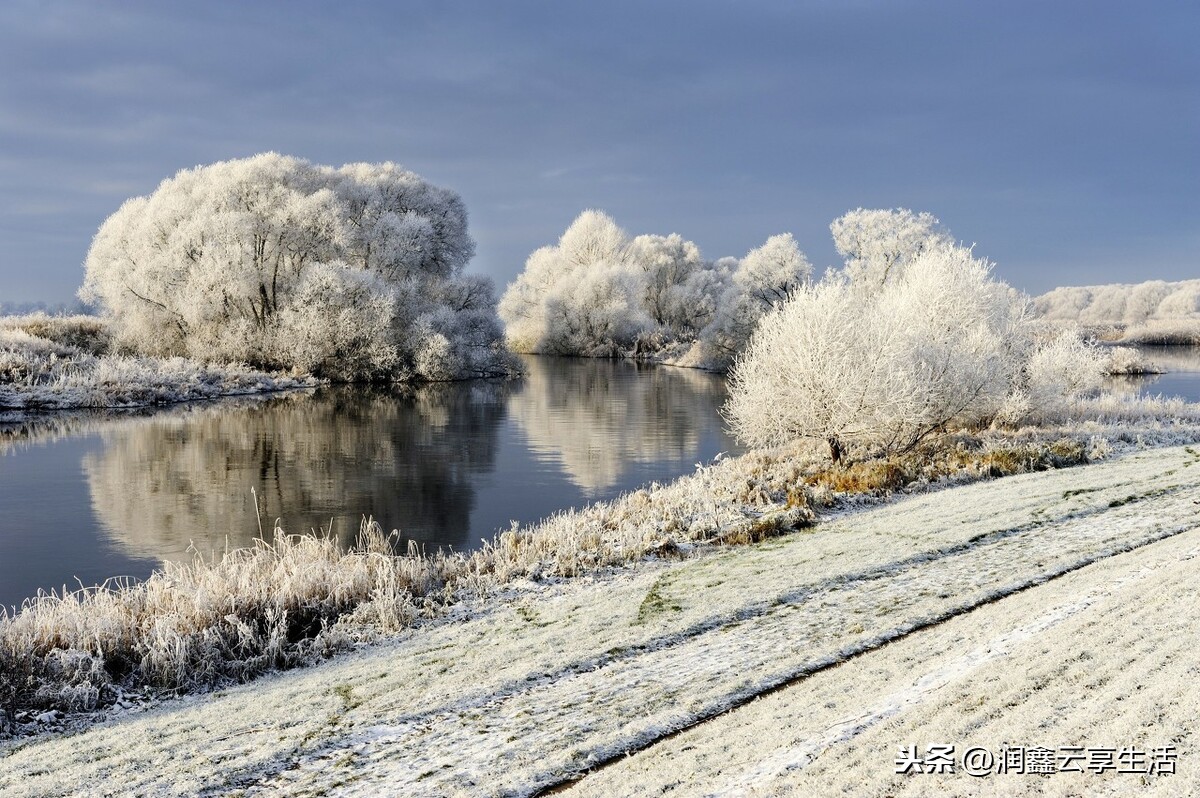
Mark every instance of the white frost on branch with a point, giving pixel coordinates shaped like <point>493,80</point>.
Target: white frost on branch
<point>599,292</point>
<point>346,272</point>
<point>877,243</point>
<point>938,344</point>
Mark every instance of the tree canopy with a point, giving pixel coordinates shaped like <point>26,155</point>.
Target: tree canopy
<point>599,292</point>
<point>353,272</point>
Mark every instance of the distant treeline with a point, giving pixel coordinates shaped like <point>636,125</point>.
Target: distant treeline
<point>72,308</point>
<point>1119,303</point>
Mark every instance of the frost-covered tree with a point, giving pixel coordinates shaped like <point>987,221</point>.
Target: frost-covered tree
<point>877,243</point>
<point>764,278</point>
<point>677,289</point>
<point>599,292</point>
<point>769,274</point>
<point>1119,303</point>
<point>349,272</point>
<point>596,315</point>
<point>939,343</point>
<point>577,297</point>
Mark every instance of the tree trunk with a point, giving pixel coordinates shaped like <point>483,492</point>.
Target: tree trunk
<point>835,450</point>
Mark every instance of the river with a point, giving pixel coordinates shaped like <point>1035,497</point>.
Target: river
<point>88,496</point>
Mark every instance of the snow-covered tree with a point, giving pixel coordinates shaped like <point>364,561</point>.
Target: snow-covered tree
<point>676,292</point>
<point>877,243</point>
<point>281,263</point>
<point>764,278</point>
<point>595,315</point>
<point>1120,303</point>
<point>599,292</point>
<point>940,343</point>
<point>578,297</point>
<point>771,272</point>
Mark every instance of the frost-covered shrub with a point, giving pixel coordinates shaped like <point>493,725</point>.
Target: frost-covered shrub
<point>600,293</point>
<point>1127,360</point>
<point>939,343</point>
<point>1062,370</point>
<point>280,263</point>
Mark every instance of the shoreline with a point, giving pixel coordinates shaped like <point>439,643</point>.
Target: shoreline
<point>602,638</point>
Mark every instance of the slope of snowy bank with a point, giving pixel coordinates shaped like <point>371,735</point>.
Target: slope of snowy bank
<point>539,682</point>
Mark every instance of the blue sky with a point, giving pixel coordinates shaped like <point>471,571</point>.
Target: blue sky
<point>1063,138</point>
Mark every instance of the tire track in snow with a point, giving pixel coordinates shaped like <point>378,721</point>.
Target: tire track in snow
<point>919,692</point>
<point>531,711</point>
<point>852,727</point>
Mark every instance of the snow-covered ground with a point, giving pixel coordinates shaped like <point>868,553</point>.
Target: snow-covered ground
<point>942,610</point>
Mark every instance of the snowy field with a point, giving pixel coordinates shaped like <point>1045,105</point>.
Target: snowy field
<point>942,609</point>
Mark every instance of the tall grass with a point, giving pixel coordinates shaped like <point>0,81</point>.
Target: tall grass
<point>273,605</point>
<point>1169,332</point>
<point>86,334</point>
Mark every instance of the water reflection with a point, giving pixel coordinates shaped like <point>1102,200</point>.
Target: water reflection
<point>596,417</point>
<point>1182,377</point>
<point>93,495</point>
<point>407,458</point>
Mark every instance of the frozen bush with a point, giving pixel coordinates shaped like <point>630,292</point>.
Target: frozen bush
<point>1127,360</point>
<point>280,263</point>
<point>1062,370</point>
<point>939,344</point>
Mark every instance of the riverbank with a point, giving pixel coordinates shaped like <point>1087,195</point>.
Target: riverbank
<point>541,680</point>
<point>293,600</point>
<point>63,363</point>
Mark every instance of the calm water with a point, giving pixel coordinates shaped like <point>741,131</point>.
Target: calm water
<point>86,498</point>
<point>1182,378</point>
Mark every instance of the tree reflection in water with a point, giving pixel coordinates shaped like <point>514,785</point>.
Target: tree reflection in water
<point>412,458</point>
<point>406,457</point>
<point>445,464</point>
<point>596,417</point>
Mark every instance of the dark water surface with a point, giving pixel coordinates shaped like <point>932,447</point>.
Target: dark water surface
<point>84,498</point>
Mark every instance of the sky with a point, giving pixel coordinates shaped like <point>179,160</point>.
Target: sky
<point>1061,138</point>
